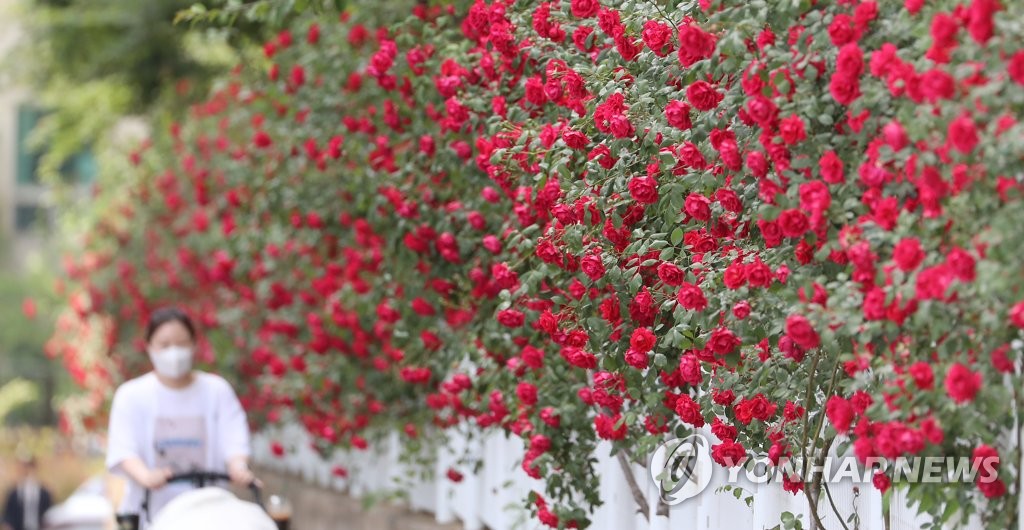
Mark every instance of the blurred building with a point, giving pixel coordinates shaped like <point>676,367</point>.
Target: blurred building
<point>25,205</point>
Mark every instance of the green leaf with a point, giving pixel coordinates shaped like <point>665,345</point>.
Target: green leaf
<point>677,236</point>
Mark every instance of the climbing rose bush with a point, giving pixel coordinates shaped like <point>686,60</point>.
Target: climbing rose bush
<point>795,224</point>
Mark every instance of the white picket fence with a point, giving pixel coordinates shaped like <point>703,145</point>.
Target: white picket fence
<point>493,498</point>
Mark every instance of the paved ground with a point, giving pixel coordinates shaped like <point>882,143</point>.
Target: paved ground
<point>321,509</point>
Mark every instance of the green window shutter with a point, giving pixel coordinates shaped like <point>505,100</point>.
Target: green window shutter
<point>28,161</point>
<point>80,169</point>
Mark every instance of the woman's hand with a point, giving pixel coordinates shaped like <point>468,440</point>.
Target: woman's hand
<point>147,478</point>
<point>155,478</point>
<point>238,470</point>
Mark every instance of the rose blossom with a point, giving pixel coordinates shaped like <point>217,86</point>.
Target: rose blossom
<point>644,190</point>
<point>585,8</point>
<point>678,114</point>
<point>703,95</point>
<point>962,384</point>
<point>670,274</point>
<point>840,413</point>
<point>691,297</point>
<point>801,331</point>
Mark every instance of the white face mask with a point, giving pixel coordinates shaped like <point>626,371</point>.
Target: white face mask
<point>173,363</point>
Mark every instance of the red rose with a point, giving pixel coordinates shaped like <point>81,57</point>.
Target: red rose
<point>621,127</point>
<point>922,374</point>
<point>678,114</point>
<point>993,489</point>
<point>689,411</point>
<point>689,370</point>
<point>800,330</point>
<point>691,157</point>
<point>656,36</point>
<point>771,232</point>
<point>642,309</point>
<point>723,397</point>
<point>840,413</point>
<point>830,167</point>
<point>592,266</point>
<point>575,139</point>
<point>670,274</point>
<point>548,253</point>
<point>850,61</point>
<point>262,140</point>
<point>703,96</point>
<point>963,135</point>
<point>741,310</point>
<point>794,223</point>
<point>698,207</point>
<point>908,254</point>
<point>759,274</point>
<point>644,190</point>
<point>723,341</point>
<point>637,359</point>
<point>580,36</point>
<point>937,85</point>
<point>962,384</point>
<point>1017,314</point>
<point>729,453</point>
<point>695,44</point>
<point>840,31</point>
<point>980,24</point>
<point>527,393</point>
<point>298,76</point>
<point>511,318</point>
<point>723,431</point>
<point>792,130</point>
<point>981,454</point>
<point>845,88</point>
<point>735,276</point>
<point>881,481</point>
<point>730,153</point>
<point>692,297</point>
<point>913,6</point>
<point>962,264</point>
<point>1015,67</point>
<point>585,8</point>
<point>605,427</point>
<point>757,163</point>
<point>814,196</point>
<point>763,111</point>
<point>729,200</point>
<point>642,340</point>
<point>933,282</point>
<point>532,357</point>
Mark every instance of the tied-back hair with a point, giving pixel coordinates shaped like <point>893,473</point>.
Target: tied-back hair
<point>169,314</point>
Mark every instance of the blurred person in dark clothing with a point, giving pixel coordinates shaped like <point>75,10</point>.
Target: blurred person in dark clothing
<point>27,501</point>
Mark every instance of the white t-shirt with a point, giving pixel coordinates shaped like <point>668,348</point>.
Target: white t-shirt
<point>197,428</point>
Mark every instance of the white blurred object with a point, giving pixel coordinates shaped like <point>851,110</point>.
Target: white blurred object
<point>86,509</point>
<point>211,509</point>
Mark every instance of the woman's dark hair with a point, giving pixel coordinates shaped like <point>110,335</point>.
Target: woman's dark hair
<point>169,314</point>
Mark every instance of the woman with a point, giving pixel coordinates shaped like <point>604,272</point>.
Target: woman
<point>174,420</point>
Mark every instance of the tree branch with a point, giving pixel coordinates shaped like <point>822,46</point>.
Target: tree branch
<point>638,496</point>
<point>831,502</point>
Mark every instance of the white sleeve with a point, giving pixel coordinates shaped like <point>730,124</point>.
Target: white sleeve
<point>233,426</point>
<point>123,434</point>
